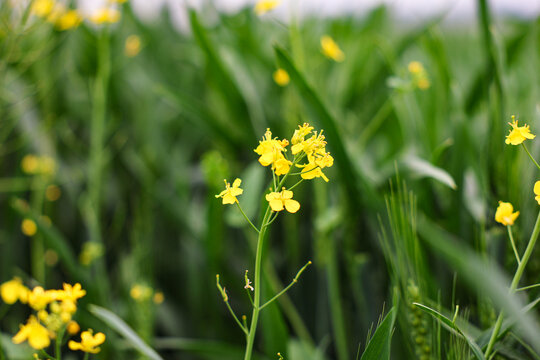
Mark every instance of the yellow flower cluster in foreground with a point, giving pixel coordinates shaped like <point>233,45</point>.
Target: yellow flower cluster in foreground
<point>53,312</point>
<point>306,144</point>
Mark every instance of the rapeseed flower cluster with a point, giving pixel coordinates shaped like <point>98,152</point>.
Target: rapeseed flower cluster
<point>419,75</point>
<point>53,312</point>
<point>505,214</point>
<point>308,153</point>
<point>38,165</point>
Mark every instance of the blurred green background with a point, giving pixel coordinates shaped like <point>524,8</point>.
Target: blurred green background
<point>142,141</point>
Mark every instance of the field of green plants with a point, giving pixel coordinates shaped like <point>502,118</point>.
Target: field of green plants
<point>382,167</point>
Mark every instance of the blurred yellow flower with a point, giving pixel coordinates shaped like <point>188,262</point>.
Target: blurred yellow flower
<point>132,46</point>
<point>69,20</point>
<point>230,193</point>
<point>537,191</point>
<point>53,193</point>
<point>89,342</point>
<point>141,292</point>
<point>518,134</point>
<point>264,6</point>
<point>281,77</point>
<point>105,16</point>
<point>34,165</point>
<point>28,227</point>
<point>14,290</point>
<point>73,327</point>
<point>91,251</point>
<point>159,298</point>
<point>419,75</point>
<point>36,334</point>
<point>39,298</point>
<point>42,8</point>
<point>30,164</point>
<point>331,50</point>
<point>283,199</point>
<point>505,214</point>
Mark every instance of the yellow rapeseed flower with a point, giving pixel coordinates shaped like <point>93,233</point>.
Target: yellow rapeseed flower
<point>505,214</point>
<point>283,199</point>
<point>264,6</point>
<point>159,297</point>
<point>518,134</point>
<point>42,8</point>
<point>30,164</point>
<point>230,193</point>
<point>141,292</point>
<point>105,16</point>
<point>36,334</point>
<point>53,193</point>
<point>281,77</point>
<point>13,290</point>
<point>271,153</point>
<point>331,50</point>
<point>89,342</point>
<point>69,20</point>
<point>132,46</point>
<point>73,327</point>
<point>39,298</point>
<point>537,191</point>
<point>91,251</point>
<point>28,227</point>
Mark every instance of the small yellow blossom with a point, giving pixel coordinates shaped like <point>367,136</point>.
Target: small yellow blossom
<point>53,193</point>
<point>73,327</point>
<point>91,251</point>
<point>132,46</point>
<point>69,20</point>
<point>283,199</point>
<point>140,292</point>
<point>42,8</point>
<point>518,134</point>
<point>159,297</point>
<point>264,6</point>
<point>505,214</point>
<point>14,290</point>
<point>71,293</point>
<point>51,257</point>
<point>36,334</point>
<point>281,77</point>
<point>230,193</point>
<point>105,16</point>
<point>271,153</point>
<point>419,75</point>
<point>39,298</point>
<point>30,164</point>
<point>28,227</point>
<point>331,50</point>
<point>537,191</point>
<point>89,342</point>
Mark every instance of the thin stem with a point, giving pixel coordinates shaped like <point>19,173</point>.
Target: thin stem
<point>257,284</point>
<point>47,356</point>
<point>86,356</point>
<point>515,282</point>
<point>272,219</point>
<point>274,181</point>
<point>508,227</point>
<point>295,185</point>
<point>294,281</point>
<point>528,153</point>
<point>528,287</point>
<point>59,337</point>
<point>246,217</point>
<point>226,301</point>
<point>250,297</point>
<point>236,318</point>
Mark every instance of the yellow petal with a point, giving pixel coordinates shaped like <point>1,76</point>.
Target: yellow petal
<point>276,205</point>
<point>236,183</point>
<point>292,206</point>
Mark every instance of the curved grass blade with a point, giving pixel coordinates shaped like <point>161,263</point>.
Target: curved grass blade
<point>123,329</point>
<point>379,345</point>
<point>450,325</point>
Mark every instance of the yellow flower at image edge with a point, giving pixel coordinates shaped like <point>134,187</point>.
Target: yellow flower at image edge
<point>230,193</point>
<point>518,134</point>
<point>264,6</point>
<point>14,290</point>
<point>283,199</point>
<point>331,50</point>
<point>505,214</point>
<point>36,334</point>
<point>537,191</point>
<point>89,342</point>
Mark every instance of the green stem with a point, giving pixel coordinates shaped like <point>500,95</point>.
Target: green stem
<point>294,281</point>
<point>47,356</point>
<point>515,282</point>
<point>246,217</point>
<point>86,356</point>
<point>257,285</point>
<point>295,185</point>
<point>236,318</point>
<point>58,343</point>
<point>513,243</point>
<point>528,287</point>
<point>528,153</point>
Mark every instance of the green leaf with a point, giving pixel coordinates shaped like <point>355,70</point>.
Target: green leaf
<point>449,324</point>
<point>422,168</point>
<point>123,329</point>
<point>379,345</point>
<point>13,351</point>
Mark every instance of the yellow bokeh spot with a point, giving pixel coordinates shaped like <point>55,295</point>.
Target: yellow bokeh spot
<point>281,77</point>
<point>28,227</point>
<point>132,46</point>
<point>53,193</point>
